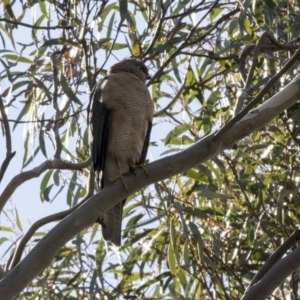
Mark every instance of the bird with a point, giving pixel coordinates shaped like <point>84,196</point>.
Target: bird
<point>120,117</point>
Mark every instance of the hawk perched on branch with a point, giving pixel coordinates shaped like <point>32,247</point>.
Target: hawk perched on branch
<point>120,121</point>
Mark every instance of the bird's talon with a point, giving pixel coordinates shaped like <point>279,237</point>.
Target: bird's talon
<point>132,171</point>
<point>120,175</point>
<point>142,166</point>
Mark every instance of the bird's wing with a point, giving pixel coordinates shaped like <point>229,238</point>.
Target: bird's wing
<point>146,143</point>
<point>98,119</point>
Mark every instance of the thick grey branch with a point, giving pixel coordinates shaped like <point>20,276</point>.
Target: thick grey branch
<point>285,267</point>
<point>290,242</point>
<point>41,256</point>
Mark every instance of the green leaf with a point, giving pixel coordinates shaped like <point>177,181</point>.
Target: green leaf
<point>186,256</point>
<point>195,212</point>
<point>179,209</point>
<point>71,188</point>
<point>37,24</point>
<point>31,158</point>
<point>3,239</point>
<point>23,112</point>
<point>15,86</point>
<point>77,195</point>
<point>58,192</point>
<point>116,46</point>
<point>132,32</point>
<point>6,229</point>
<point>215,13</point>
<point>192,88</point>
<point>18,222</point>
<point>42,86</point>
<point>46,193</point>
<point>9,9</point>
<point>164,45</point>
<point>178,130</point>
<point>123,9</point>
<point>25,148</point>
<point>42,142</point>
<point>172,234</point>
<point>233,28</point>
<point>172,260</point>
<point>56,177</point>
<point>280,207</point>
<point>147,222</point>
<point>195,175</point>
<point>68,91</point>
<point>61,41</point>
<point>110,27</point>
<point>17,58</point>
<point>175,70</point>
<point>212,195</point>
<point>94,231</point>
<point>197,236</point>
<point>247,26</point>
<point>44,184</point>
<point>43,8</point>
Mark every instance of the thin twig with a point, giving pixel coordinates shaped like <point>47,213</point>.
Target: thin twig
<point>9,153</point>
<point>254,59</point>
<point>44,120</point>
<point>163,110</point>
<point>36,27</point>
<point>58,144</point>
<point>188,12</point>
<point>109,51</point>
<point>213,56</point>
<point>187,43</point>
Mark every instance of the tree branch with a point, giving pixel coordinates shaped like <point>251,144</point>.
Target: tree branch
<point>290,242</point>
<point>36,27</point>
<point>42,254</point>
<point>265,287</point>
<point>36,172</point>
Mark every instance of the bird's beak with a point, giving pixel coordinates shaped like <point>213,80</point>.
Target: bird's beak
<point>148,76</point>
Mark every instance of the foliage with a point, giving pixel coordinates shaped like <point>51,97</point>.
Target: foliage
<point>203,234</point>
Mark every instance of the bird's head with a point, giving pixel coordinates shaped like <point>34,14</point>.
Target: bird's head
<point>131,65</point>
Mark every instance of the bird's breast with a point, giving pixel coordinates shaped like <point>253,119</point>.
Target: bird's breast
<point>131,110</point>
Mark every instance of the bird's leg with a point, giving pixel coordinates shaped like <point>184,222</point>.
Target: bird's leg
<point>120,175</point>
<point>142,166</point>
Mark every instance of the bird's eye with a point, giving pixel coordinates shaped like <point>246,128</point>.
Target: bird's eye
<point>140,68</point>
